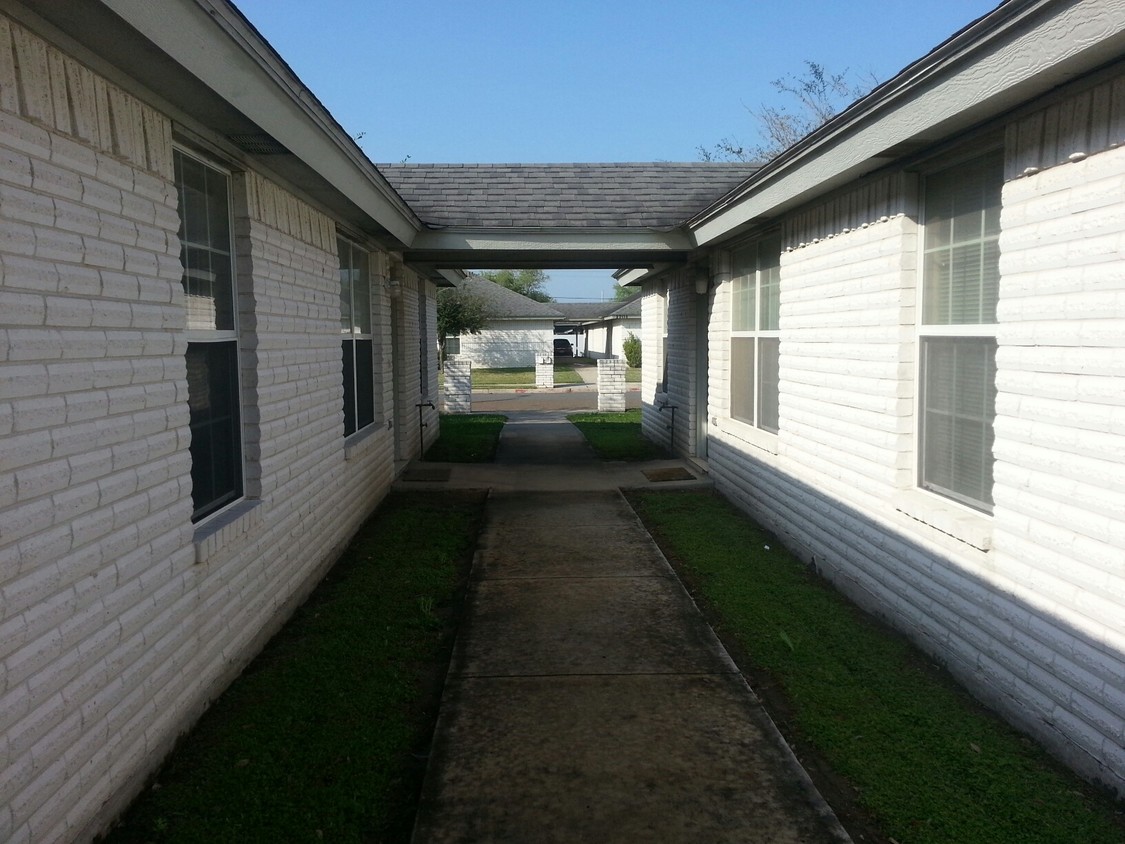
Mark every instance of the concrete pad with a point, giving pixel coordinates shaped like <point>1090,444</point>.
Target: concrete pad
<point>558,550</point>
<point>640,625</point>
<point>613,759</point>
<point>543,440</point>
<point>587,699</point>
<point>564,509</point>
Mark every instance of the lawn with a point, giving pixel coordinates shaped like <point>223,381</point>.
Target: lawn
<point>324,735</point>
<point>617,436</point>
<point>467,438</point>
<point>925,763</point>
<point>522,377</point>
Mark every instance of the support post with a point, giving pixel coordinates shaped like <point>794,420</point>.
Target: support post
<point>458,389</point>
<point>611,385</point>
<point>544,372</point>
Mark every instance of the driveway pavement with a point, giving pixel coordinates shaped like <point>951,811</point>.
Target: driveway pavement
<point>587,699</point>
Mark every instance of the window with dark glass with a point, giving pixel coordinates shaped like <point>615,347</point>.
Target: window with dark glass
<point>423,348</point>
<point>212,356</point>
<point>957,330</point>
<point>665,299</point>
<point>357,343</point>
<point>754,338</point>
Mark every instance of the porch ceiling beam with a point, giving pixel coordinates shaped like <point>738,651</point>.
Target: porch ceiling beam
<point>535,249</point>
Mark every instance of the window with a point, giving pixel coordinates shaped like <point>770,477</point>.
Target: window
<point>957,330</point>
<point>453,344</point>
<point>755,341</point>
<point>423,348</point>
<point>357,342</point>
<point>665,299</point>
<point>212,355</point>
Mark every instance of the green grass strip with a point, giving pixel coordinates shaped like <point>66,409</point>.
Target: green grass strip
<point>617,436</point>
<point>929,764</point>
<point>323,737</point>
<point>467,438</point>
<point>522,377</point>
<point>566,375</point>
<point>514,376</point>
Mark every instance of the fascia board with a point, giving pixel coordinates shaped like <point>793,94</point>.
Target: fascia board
<point>628,277</point>
<point>637,277</point>
<point>218,48</point>
<point>987,79</point>
<point>575,240</point>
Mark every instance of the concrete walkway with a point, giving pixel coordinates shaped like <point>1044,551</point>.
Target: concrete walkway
<point>587,699</point>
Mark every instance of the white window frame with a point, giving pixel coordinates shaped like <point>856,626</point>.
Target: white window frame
<point>925,331</point>
<point>756,266</point>
<point>665,299</point>
<point>199,336</point>
<point>354,334</point>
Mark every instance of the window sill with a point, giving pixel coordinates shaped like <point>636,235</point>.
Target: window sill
<point>361,442</point>
<point>960,523</point>
<point>748,434</point>
<point>225,528</point>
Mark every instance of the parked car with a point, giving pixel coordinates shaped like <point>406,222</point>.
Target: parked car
<point>563,349</point>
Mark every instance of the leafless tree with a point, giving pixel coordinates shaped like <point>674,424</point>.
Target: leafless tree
<point>819,95</point>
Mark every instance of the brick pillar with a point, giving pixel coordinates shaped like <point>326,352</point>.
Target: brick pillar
<point>544,372</point>
<point>458,393</point>
<point>611,385</point>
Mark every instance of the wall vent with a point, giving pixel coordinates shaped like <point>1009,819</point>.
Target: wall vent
<point>258,144</point>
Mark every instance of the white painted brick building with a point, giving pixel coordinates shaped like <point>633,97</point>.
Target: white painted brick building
<point>508,343</point>
<point>518,332</point>
<point>218,348</point>
<point>121,617</point>
<point>828,407</point>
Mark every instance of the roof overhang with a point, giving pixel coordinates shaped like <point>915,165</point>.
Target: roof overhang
<point>207,67</point>
<point>639,275</point>
<point>1017,52</point>
<point>509,248</point>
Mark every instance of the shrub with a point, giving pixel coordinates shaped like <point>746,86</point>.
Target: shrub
<point>632,349</point>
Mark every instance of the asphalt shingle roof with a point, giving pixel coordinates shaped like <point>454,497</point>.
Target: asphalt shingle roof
<point>505,303</point>
<point>586,311</point>
<point>653,195</point>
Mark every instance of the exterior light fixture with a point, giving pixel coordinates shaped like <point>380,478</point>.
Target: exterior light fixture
<point>702,280</point>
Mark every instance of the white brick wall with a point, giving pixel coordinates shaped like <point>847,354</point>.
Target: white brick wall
<point>457,391</point>
<point>1027,607</point>
<point>416,295</point>
<point>95,533</point>
<point>1059,532</point>
<point>847,316</point>
<point>607,341</point>
<point>611,385</point>
<point>674,293</point>
<point>112,636</point>
<point>509,343</point>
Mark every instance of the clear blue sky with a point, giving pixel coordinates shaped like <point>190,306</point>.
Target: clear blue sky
<point>583,80</point>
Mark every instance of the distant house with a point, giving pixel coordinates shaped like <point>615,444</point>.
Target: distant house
<point>520,328</point>
<point>600,328</point>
